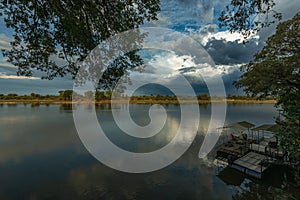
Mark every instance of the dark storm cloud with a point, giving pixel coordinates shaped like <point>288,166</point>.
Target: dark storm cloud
<point>230,53</point>
<point>149,69</point>
<point>229,79</point>
<point>227,53</point>
<point>26,86</point>
<point>187,69</point>
<point>200,87</point>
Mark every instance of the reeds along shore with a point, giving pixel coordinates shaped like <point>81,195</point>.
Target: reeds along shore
<point>201,102</point>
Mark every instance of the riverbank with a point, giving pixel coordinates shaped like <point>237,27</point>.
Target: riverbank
<point>200,102</point>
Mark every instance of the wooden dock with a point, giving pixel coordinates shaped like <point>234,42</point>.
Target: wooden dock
<point>233,149</point>
<point>249,153</point>
<point>253,164</point>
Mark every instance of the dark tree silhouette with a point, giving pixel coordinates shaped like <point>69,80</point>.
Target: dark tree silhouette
<point>55,36</point>
<point>275,71</point>
<point>249,16</point>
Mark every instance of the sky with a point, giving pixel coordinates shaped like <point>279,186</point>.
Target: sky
<point>196,19</point>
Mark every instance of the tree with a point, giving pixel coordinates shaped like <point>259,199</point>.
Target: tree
<point>99,95</point>
<point>89,94</point>
<point>66,95</point>
<point>108,94</point>
<point>275,71</point>
<point>249,16</point>
<point>54,36</point>
<point>203,97</point>
<point>158,97</point>
<point>34,96</point>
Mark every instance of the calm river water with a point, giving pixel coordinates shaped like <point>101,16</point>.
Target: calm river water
<point>42,157</point>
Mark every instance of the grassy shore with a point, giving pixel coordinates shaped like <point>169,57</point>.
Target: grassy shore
<point>201,102</point>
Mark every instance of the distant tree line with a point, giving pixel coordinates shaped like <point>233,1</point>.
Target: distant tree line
<point>32,96</point>
<point>247,97</point>
<point>67,95</point>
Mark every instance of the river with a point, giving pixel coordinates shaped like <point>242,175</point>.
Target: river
<point>42,157</point>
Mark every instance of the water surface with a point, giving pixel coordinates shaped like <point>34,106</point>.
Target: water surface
<point>42,157</point>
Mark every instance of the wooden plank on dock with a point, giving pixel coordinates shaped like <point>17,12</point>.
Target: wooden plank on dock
<point>252,164</point>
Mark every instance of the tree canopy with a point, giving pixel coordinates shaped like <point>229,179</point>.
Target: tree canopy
<point>276,71</point>
<point>54,36</point>
<point>249,16</point>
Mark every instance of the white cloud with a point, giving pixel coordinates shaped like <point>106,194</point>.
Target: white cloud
<point>162,21</point>
<point>208,71</point>
<point>4,75</point>
<point>4,42</point>
<point>4,64</point>
<point>204,38</point>
<point>169,66</point>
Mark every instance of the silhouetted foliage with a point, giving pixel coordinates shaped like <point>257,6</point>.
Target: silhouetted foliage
<point>249,16</point>
<point>275,71</point>
<point>53,37</point>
